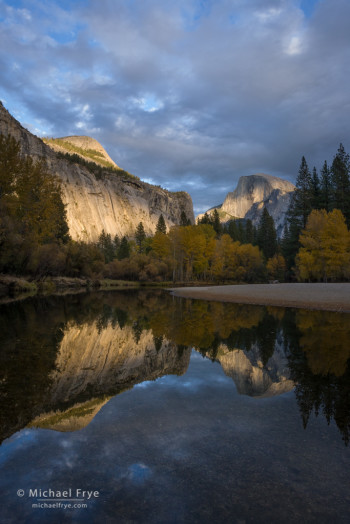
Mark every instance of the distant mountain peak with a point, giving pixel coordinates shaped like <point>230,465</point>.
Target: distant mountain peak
<point>252,194</point>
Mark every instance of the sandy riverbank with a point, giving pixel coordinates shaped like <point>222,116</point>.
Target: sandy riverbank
<point>329,297</point>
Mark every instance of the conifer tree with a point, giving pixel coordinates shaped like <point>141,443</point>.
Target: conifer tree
<point>216,223</point>
<point>299,209</point>
<point>161,227</point>
<point>140,237</point>
<point>316,189</point>
<point>341,182</point>
<point>325,188</point>
<point>266,235</point>
<point>116,242</point>
<point>184,221</point>
<point>232,230</point>
<point>124,249</point>
<point>302,199</point>
<point>249,232</point>
<point>241,232</point>
<point>106,246</point>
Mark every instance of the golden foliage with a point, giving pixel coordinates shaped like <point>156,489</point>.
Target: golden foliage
<point>325,251</point>
<point>276,267</point>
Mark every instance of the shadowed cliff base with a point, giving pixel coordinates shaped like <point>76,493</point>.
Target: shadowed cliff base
<point>328,297</point>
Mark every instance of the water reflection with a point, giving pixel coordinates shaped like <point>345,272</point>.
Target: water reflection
<point>63,358</point>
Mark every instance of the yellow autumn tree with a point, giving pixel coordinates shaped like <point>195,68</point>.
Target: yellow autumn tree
<point>276,267</point>
<point>249,263</point>
<point>160,245</point>
<point>222,266</point>
<point>325,251</point>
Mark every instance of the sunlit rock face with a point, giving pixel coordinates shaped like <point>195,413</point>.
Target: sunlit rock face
<point>255,192</point>
<point>85,143</point>
<point>251,377</point>
<point>115,204</point>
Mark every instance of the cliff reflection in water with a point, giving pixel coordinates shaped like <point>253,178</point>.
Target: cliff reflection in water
<point>62,358</point>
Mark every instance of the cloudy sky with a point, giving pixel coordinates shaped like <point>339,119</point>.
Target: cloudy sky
<point>187,94</point>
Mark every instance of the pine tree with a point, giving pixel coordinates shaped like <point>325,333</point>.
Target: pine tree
<point>124,249</point>
<point>302,199</point>
<point>341,182</point>
<point>325,188</point>
<point>299,209</point>
<point>266,235</point>
<point>161,227</point>
<point>106,246</point>
<point>241,232</point>
<point>232,230</point>
<point>249,232</point>
<point>184,221</point>
<point>140,237</point>
<point>116,242</point>
<point>216,223</point>
<point>316,189</point>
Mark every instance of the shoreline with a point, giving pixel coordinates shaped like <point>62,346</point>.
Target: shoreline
<point>326,297</point>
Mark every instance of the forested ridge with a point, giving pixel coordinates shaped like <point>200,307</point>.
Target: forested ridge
<point>34,236</point>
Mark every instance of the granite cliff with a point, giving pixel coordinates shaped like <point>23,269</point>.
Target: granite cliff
<point>116,202</point>
<point>252,194</point>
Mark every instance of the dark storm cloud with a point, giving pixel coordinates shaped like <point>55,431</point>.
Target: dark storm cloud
<point>189,94</point>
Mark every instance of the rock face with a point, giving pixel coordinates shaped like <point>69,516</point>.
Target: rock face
<point>115,203</point>
<point>255,192</point>
<point>251,377</point>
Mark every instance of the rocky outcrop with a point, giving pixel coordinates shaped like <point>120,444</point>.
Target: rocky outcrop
<point>116,203</point>
<point>251,377</point>
<point>252,194</point>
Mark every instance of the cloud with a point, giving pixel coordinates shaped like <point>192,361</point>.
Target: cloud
<point>189,94</point>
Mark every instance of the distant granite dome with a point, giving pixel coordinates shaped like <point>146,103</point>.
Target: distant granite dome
<point>252,194</point>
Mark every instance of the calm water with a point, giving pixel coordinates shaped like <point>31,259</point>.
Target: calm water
<point>172,411</point>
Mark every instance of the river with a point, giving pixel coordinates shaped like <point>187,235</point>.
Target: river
<point>137,406</point>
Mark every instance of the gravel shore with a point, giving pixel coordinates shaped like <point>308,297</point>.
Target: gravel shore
<point>329,297</point>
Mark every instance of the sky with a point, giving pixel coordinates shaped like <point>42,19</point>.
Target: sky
<point>186,94</point>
